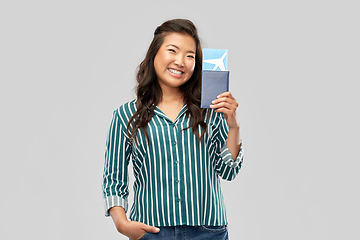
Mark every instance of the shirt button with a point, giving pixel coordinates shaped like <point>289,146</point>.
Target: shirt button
<point>174,142</point>
<point>178,199</point>
<point>177,181</point>
<point>176,161</point>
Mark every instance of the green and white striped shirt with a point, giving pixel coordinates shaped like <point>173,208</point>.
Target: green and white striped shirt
<point>177,178</point>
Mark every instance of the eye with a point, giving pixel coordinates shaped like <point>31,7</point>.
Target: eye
<point>191,56</point>
<point>172,50</point>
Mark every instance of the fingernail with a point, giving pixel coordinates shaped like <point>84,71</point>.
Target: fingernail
<point>213,101</point>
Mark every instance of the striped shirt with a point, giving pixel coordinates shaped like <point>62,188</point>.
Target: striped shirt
<point>177,178</point>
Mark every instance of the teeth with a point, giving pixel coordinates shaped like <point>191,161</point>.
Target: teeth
<point>175,71</point>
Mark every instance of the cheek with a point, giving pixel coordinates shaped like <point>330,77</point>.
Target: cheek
<point>192,68</point>
<point>164,58</point>
<point>191,65</point>
<point>160,60</point>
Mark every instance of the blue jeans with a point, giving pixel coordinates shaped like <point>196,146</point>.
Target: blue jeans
<point>189,233</point>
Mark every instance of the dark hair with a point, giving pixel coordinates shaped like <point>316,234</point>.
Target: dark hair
<point>148,90</point>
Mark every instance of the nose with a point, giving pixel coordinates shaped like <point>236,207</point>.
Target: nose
<point>179,61</point>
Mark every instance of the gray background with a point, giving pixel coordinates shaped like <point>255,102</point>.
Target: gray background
<point>66,65</point>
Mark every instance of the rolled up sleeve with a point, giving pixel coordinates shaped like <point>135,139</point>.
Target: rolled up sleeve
<point>115,175</point>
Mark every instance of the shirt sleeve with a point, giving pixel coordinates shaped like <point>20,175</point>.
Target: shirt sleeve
<point>225,165</point>
<point>115,175</point>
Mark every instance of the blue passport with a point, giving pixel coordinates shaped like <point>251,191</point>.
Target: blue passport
<point>215,77</point>
<point>213,83</point>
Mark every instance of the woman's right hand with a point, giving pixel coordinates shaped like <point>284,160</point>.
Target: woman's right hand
<point>132,229</point>
<point>135,230</point>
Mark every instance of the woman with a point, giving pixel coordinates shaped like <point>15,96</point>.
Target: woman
<point>178,150</point>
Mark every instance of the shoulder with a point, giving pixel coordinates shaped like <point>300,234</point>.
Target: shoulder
<point>125,111</point>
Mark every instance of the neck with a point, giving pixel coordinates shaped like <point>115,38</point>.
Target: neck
<point>172,95</point>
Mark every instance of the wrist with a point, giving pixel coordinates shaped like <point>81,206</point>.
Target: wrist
<point>234,128</point>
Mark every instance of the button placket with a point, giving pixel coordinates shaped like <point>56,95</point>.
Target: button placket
<point>176,164</point>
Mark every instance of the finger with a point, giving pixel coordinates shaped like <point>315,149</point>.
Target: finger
<point>151,229</point>
<point>225,99</point>
<point>225,94</point>
<point>226,105</point>
<point>225,111</point>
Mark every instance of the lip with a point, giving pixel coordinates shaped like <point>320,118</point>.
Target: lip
<point>175,75</point>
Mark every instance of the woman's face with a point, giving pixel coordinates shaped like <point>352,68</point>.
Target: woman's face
<point>174,63</point>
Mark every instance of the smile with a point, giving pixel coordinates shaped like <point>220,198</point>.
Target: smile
<point>176,72</point>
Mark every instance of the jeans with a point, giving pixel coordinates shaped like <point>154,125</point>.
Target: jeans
<point>189,233</point>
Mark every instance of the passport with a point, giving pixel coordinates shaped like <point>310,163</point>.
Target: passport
<point>213,83</point>
<point>214,77</point>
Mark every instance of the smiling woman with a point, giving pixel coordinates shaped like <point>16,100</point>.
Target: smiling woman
<point>149,92</point>
<point>179,151</point>
<point>174,64</point>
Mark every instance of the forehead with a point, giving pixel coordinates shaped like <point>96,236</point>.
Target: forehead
<point>181,40</point>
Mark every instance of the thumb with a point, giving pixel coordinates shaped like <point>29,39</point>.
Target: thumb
<point>151,229</point>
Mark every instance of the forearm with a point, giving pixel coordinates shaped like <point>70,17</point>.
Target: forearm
<point>119,217</point>
<point>227,104</point>
<point>233,141</point>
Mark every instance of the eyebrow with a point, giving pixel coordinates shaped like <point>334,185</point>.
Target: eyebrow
<point>172,45</point>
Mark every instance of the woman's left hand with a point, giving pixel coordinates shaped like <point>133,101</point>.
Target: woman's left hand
<point>227,104</point>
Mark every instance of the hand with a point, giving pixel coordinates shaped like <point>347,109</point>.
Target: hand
<point>135,230</point>
<point>132,229</point>
<point>227,104</point>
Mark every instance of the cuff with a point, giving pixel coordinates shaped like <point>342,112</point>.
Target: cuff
<point>228,159</point>
<point>114,201</point>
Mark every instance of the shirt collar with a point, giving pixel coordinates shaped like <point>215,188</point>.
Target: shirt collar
<point>158,112</point>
